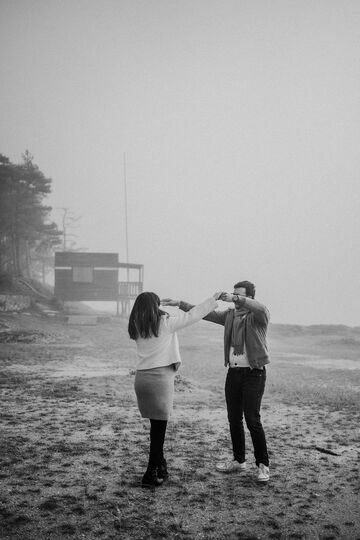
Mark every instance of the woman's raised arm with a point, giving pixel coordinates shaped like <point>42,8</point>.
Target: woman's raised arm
<point>188,318</point>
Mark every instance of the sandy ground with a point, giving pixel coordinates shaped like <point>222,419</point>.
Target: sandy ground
<point>73,446</point>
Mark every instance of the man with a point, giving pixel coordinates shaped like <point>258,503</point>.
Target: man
<point>246,354</point>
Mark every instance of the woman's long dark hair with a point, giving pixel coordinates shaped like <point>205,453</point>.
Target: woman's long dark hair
<point>145,316</point>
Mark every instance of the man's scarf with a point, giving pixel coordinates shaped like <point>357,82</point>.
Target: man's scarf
<point>238,332</point>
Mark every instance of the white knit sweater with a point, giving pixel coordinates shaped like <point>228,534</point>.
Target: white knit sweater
<point>163,350</point>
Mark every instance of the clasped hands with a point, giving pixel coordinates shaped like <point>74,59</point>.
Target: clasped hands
<point>226,297</point>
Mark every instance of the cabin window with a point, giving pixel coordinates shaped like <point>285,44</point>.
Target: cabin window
<point>83,274</point>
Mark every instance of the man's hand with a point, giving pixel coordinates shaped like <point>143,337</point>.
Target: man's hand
<point>169,302</point>
<point>227,297</point>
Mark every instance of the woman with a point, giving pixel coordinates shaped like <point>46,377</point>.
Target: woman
<point>158,359</point>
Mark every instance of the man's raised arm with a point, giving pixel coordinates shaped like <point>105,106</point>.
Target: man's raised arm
<point>260,312</point>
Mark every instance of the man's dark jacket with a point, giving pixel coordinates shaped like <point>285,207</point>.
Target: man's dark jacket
<point>256,324</point>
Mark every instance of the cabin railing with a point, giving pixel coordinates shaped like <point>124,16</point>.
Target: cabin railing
<point>129,289</point>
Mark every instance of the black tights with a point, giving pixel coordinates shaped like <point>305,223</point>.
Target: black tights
<point>157,437</point>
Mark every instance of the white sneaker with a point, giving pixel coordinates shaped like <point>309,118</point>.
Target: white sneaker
<point>230,466</point>
<point>263,473</point>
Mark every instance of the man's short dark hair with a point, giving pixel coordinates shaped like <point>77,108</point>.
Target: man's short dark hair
<point>248,286</point>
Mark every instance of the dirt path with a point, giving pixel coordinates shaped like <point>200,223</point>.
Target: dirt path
<point>73,448</point>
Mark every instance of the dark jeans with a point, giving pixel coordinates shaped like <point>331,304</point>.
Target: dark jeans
<point>244,389</point>
<point>157,438</point>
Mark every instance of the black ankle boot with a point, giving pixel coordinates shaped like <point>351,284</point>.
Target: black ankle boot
<point>162,471</point>
<point>150,479</point>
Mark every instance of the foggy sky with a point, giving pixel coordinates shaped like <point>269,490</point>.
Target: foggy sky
<point>240,122</point>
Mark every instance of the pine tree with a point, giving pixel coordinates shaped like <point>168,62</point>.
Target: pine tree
<point>25,231</point>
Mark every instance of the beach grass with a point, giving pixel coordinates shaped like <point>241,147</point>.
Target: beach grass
<point>73,446</point>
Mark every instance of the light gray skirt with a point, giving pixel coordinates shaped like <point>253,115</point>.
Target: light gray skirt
<point>154,390</point>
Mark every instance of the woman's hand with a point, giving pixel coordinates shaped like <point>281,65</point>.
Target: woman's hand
<point>169,302</point>
<point>218,295</point>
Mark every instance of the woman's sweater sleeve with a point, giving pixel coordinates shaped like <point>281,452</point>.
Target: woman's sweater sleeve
<point>190,317</point>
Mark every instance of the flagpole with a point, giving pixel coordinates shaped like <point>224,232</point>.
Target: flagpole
<point>126,217</point>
